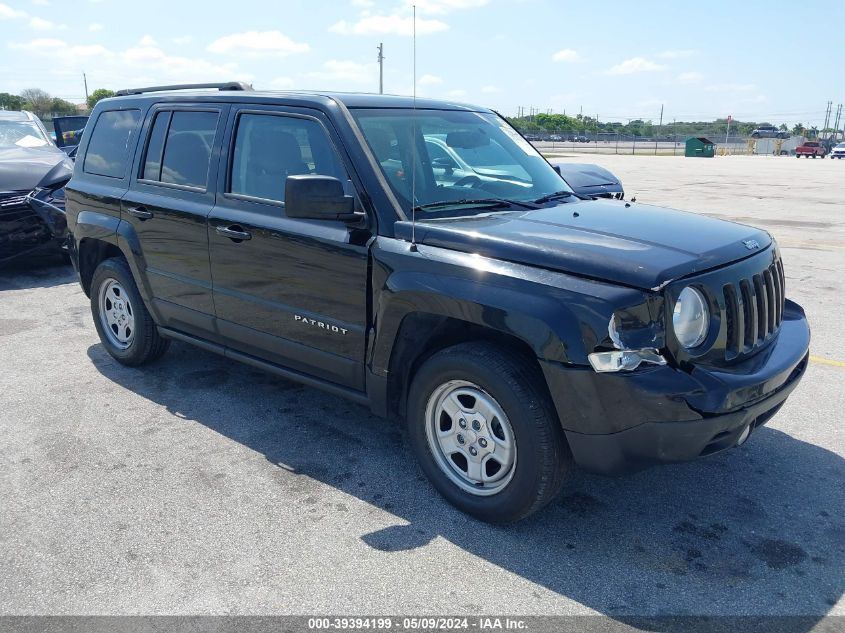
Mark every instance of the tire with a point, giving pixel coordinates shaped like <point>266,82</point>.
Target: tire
<point>126,329</point>
<point>481,380</point>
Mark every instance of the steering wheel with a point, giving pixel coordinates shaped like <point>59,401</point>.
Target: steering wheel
<point>470,180</point>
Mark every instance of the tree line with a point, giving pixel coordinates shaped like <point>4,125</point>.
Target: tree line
<point>541,123</point>
<point>46,106</point>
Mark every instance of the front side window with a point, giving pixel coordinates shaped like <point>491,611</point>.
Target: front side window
<point>269,148</point>
<point>108,149</point>
<point>460,156</point>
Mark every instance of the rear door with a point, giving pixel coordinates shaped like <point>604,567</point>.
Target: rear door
<point>171,194</point>
<point>287,290</point>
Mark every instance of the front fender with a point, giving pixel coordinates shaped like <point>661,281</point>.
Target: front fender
<point>501,309</point>
<point>562,318</point>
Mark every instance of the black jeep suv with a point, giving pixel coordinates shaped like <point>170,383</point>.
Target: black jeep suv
<point>517,327</point>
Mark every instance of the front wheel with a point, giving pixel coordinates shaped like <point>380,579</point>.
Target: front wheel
<point>485,434</point>
<point>126,329</point>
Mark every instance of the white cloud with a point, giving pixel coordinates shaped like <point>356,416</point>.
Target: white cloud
<point>635,65</point>
<point>388,25</point>
<point>41,44</point>
<point>145,64</point>
<point>442,7</point>
<point>40,24</point>
<point>258,43</point>
<point>690,77</point>
<point>565,55</point>
<point>756,99</point>
<point>8,13</point>
<point>677,54</point>
<point>345,71</point>
<point>731,87</point>
<point>490,90</point>
<point>95,26</point>
<point>282,83</point>
<point>148,40</point>
<point>89,50</point>
<point>429,80</point>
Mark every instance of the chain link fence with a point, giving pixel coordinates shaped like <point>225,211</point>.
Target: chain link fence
<point>665,144</point>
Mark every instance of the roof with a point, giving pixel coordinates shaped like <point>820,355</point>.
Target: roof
<point>302,98</point>
<point>16,115</point>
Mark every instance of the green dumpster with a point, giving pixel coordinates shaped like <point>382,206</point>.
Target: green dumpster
<point>700,147</point>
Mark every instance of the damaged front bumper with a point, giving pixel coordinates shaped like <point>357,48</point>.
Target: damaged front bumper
<point>623,422</point>
<point>31,221</point>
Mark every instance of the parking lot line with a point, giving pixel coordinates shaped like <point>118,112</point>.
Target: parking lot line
<point>827,361</point>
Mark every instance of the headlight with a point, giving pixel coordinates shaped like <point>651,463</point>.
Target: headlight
<point>691,318</point>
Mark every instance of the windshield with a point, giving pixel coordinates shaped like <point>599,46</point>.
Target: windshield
<point>21,134</point>
<point>455,156</point>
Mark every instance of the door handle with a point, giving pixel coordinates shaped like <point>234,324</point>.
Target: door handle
<point>139,212</point>
<point>234,232</point>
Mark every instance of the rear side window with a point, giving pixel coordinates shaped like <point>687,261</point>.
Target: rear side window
<point>179,149</point>
<point>111,139</point>
<point>269,148</point>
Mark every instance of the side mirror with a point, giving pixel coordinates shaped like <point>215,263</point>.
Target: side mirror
<point>318,198</point>
<point>444,162</point>
<point>557,169</point>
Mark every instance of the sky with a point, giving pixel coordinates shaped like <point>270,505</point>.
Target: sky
<point>765,61</point>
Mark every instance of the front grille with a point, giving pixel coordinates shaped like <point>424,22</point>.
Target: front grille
<point>11,202</point>
<point>753,310</point>
<point>21,228</point>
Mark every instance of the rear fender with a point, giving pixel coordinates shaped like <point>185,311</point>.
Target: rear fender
<point>108,229</point>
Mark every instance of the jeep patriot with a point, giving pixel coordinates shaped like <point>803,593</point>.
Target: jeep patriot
<point>516,327</point>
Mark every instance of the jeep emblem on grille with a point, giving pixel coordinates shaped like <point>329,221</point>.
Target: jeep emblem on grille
<point>751,244</point>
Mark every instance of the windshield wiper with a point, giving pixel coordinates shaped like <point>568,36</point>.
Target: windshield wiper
<point>476,202</point>
<point>555,196</point>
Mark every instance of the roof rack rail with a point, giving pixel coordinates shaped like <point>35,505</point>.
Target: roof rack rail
<point>229,85</point>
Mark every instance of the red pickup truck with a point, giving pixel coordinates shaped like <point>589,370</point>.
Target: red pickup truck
<point>810,148</point>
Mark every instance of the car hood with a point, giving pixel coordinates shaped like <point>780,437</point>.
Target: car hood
<point>580,175</point>
<point>638,245</point>
<point>22,168</point>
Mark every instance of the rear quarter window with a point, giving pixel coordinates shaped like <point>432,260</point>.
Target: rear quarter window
<point>113,135</point>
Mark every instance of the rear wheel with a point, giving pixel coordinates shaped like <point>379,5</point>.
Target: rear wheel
<point>485,435</point>
<point>126,329</point>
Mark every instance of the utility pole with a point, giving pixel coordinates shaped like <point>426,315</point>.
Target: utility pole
<point>674,137</point>
<point>380,68</point>
<point>660,125</point>
<point>85,80</point>
<point>827,113</point>
<point>836,125</point>
<point>728,132</point>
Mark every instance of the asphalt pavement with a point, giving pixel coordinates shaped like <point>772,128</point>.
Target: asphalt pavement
<point>201,486</point>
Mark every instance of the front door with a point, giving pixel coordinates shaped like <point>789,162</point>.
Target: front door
<point>172,193</point>
<point>287,290</point>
